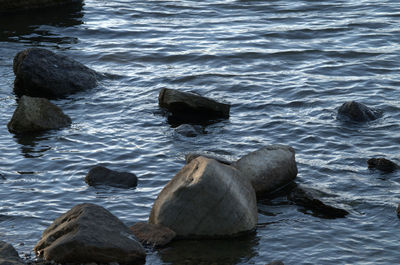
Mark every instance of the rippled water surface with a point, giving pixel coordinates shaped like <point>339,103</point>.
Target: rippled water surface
<point>284,66</point>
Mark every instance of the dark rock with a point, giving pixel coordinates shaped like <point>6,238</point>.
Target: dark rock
<point>8,255</point>
<point>190,156</point>
<point>398,211</point>
<point>305,198</point>
<point>206,199</point>
<point>276,262</point>
<point>189,130</point>
<point>89,233</point>
<point>151,234</point>
<point>356,111</point>
<point>100,175</point>
<point>186,107</point>
<point>37,114</point>
<point>42,73</point>
<point>268,168</point>
<point>14,5</point>
<point>382,164</point>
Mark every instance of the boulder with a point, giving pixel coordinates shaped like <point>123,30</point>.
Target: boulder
<point>268,168</point>
<point>355,111</point>
<point>100,175</point>
<point>8,255</point>
<point>37,114</point>
<point>42,73</point>
<point>222,159</point>
<point>15,5</point>
<point>186,107</point>
<point>89,233</point>
<point>189,130</point>
<point>382,164</point>
<point>305,198</point>
<point>206,199</point>
<point>151,234</point>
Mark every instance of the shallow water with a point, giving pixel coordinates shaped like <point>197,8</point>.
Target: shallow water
<point>285,66</point>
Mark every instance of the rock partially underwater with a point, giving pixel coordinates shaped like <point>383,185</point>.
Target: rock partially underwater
<point>355,111</point>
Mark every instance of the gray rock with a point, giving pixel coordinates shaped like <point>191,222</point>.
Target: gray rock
<point>382,164</point>
<point>42,73</point>
<point>8,255</point>
<point>268,168</point>
<point>100,175</point>
<point>37,114</point>
<point>206,199</point>
<point>189,130</point>
<point>190,156</point>
<point>186,107</point>
<point>355,111</point>
<point>16,5</point>
<point>151,234</point>
<point>89,233</point>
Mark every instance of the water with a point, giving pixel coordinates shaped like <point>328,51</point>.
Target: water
<point>285,66</point>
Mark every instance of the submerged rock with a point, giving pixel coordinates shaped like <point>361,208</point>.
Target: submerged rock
<point>382,164</point>
<point>8,255</point>
<point>186,107</point>
<point>268,168</point>
<point>15,5</point>
<point>42,73</point>
<point>151,234</point>
<point>303,197</point>
<point>206,199</point>
<point>37,114</point>
<point>189,130</point>
<point>100,175</point>
<point>356,111</point>
<point>89,233</point>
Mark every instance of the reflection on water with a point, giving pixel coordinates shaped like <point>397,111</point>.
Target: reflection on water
<point>30,144</point>
<point>34,25</point>
<point>218,251</point>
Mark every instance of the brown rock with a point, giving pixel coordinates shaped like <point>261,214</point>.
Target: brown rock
<point>151,234</point>
<point>8,255</point>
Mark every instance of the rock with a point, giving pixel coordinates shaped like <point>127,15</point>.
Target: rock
<point>355,111</point>
<point>304,197</point>
<point>189,130</point>
<point>206,199</point>
<point>100,175</point>
<point>268,168</point>
<point>151,234</point>
<point>37,114</point>
<point>89,233</point>
<point>42,73</point>
<point>8,255</point>
<point>276,262</point>
<point>15,5</point>
<point>398,211</point>
<point>190,156</point>
<point>382,164</point>
<point>186,107</point>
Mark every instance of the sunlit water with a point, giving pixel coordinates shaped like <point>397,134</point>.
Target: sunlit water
<point>284,66</point>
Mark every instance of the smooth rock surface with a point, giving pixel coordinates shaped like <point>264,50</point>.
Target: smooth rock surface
<point>15,5</point>
<point>42,73</point>
<point>186,107</point>
<point>151,234</point>
<point>222,159</point>
<point>206,199</point>
<point>100,175</point>
<point>8,255</point>
<point>37,114</point>
<point>356,111</point>
<point>382,164</point>
<point>268,168</point>
<point>89,233</point>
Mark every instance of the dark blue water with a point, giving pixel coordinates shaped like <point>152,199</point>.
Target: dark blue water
<point>285,66</point>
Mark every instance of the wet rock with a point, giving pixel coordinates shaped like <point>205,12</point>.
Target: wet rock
<point>304,197</point>
<point>42,73</point>
<point>268,168</point>
<point>276,262</point>
<point>206,199</point>
<point>8,255</point>
<point>37,114</point>
<point>189,130</point>
<point>190,156</point>
<point>398,211</point>
<point>89,233</point>
<point>186,107</point>
<point>100,175</point>
<point>356,111</point>
<point>15,5</point>
<point>151,234</point>
<point>382,164</point>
